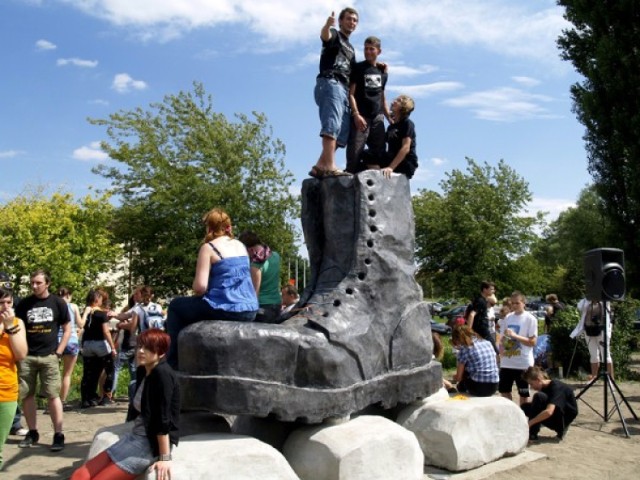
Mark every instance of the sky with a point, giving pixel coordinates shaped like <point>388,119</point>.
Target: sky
<point>486,77</point>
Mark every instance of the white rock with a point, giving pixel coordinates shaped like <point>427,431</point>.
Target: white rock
<point>461,433</point>
<point>367,447</point>
<point>205,456</point>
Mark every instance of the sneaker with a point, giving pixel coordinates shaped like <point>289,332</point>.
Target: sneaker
<point>19,431</point>
<point>29,439</point>
<point>105,401</point>
<point>533,437</point>
<point>563,433</point>
<point>58,442</point>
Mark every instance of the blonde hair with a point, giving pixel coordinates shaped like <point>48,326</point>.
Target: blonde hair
<point>218,224</point>
<point>463,335</point>
<point>407,105</point>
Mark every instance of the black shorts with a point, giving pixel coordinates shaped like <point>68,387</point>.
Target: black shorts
<point>510,375</point>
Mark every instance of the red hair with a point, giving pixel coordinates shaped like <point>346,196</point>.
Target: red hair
<point>155,340</point>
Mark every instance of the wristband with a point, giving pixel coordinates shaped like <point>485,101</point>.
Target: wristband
<point>164,457</point>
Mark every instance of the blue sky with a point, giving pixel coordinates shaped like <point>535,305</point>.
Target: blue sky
<point>485,74</point>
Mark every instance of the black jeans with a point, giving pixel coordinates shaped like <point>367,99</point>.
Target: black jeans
<point>556,422</point>
<point>92,368</point>
<point>477,389</point>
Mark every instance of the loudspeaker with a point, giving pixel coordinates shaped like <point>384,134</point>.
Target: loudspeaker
<point>604,274</point>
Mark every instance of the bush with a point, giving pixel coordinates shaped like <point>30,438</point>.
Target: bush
<point>573,354</point>
<point>568,353</point>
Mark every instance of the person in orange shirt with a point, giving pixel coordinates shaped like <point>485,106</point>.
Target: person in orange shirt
<point>13,347</point>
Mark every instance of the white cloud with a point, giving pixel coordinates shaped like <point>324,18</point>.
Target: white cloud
<point>526,81</point>
<point>11,153</point>
<point>123,83</point>
<point>552,207</point>
<point>99,101</point>
<point>91,152</point>
<point>45,45</point>
<point>77,62</point>
<point>438,161</point>
<point>519,29</point>
<point>407,71</point>
<point>503,104</point>
<point>425,90</point>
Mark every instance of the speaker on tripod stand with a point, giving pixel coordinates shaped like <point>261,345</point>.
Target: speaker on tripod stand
<point>604,274</point>
<point>605,281</point>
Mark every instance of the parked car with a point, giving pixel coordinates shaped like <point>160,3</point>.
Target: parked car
<point>435,308</point>
<point>440,328</point>
<point>453,313</point>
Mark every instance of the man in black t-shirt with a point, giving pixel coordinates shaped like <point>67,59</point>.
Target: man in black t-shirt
<point>368,107</point>
<point>332,89</point>
<point>43,314</point>
<point>478,318</point>
<point>554,406</point>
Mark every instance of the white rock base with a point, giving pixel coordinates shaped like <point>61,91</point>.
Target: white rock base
<point>367,447</point>
<point>461,433</point>
<point>205,456</point>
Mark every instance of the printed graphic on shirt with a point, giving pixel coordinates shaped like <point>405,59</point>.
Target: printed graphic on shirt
<point>373,81</point>
<point>511,347</point>
<point>39,320</point>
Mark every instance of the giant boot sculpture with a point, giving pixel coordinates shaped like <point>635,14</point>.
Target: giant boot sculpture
<point>365,337</point>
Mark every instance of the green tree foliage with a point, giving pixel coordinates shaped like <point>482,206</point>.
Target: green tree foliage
<point>576,230</point>
<point>176,161</point>
<point>603,44</point>
<point>476,229</point>
<point>69,239</point>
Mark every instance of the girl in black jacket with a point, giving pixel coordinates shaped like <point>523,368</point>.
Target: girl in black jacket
<point>155,414</point>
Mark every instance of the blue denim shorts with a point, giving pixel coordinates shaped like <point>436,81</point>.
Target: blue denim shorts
<point>72,348</point>
<point>332,99</point>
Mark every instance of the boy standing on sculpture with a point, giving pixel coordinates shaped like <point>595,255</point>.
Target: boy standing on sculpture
<point>368,106</point>
<point>332,89</point>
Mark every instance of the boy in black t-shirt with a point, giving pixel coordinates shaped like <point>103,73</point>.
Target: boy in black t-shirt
<point>401,154</point>
<point>368,106</point>
<point>554,406</point>
<point>43,315</point>
<point>331,92</point>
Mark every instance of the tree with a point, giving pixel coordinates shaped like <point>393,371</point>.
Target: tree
<point>71,240</point>
<point>604,46</point>
<point>576,230</point>
<point>475,229</point>
<point>176,161</point>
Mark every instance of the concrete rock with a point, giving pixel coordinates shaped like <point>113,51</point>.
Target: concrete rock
<point>204,456</point>
<point>228,457</point>
<point>367,447</point>
<point>461,433</point>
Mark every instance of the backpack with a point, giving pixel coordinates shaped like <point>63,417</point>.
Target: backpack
<point>153,318</point>
<point>594,320</point>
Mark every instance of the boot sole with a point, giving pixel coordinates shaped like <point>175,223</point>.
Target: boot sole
<point>290,403</point>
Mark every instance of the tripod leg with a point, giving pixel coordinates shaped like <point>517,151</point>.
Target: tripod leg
<point>626,402</point>
<point>609,385</point>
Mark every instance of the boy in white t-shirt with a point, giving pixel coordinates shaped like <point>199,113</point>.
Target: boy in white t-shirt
<point>518,336</point>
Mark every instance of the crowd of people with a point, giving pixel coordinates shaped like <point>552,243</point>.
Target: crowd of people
<point>494,352</point>
<point>46,333</point>
<point>352,107</point>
